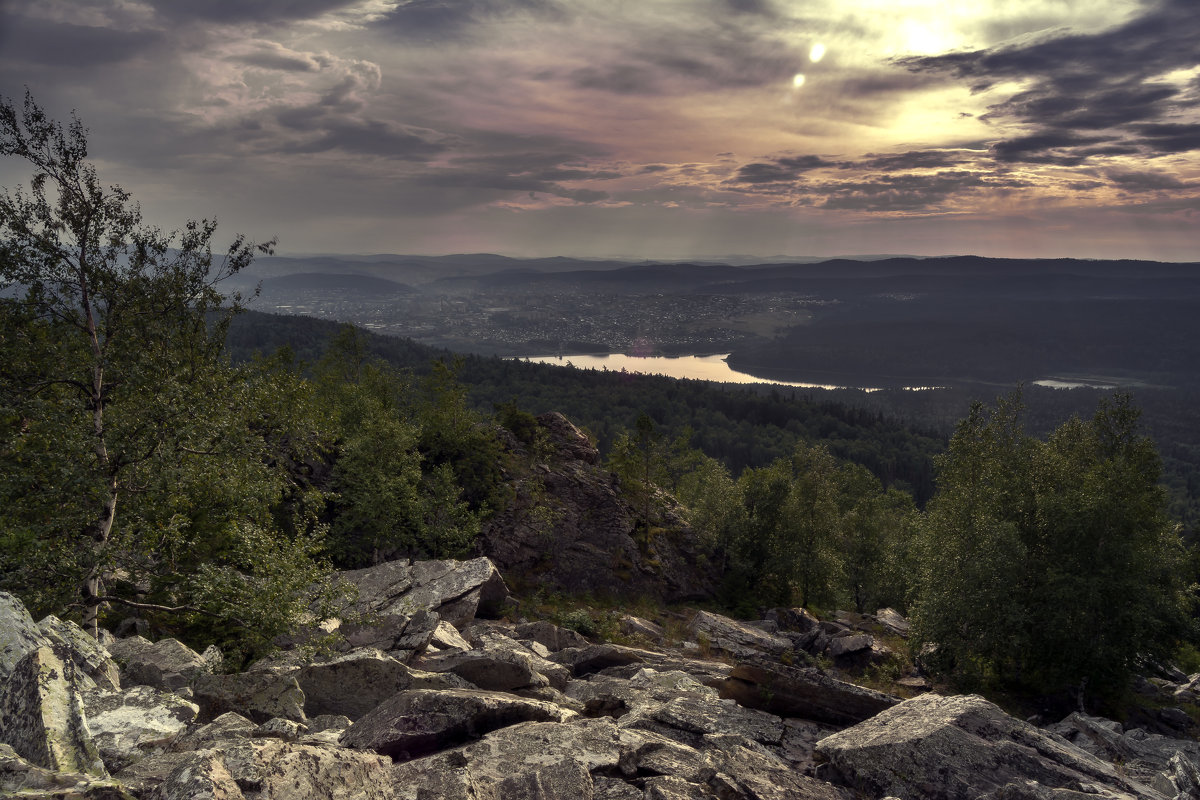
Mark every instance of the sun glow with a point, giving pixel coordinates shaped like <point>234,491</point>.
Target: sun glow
<point>799,80</point>
<point>816,53</point>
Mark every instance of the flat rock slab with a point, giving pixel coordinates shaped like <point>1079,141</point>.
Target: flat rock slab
<point>270,769</point>
<point>257,695</point>
<point>736,638</point>
<point>421,721</point>
<point>511,757</point>
<point>130,725</point>
<point>356,683</point>
<point>42,716</point>
<point>455,590</point>
<point>948,748</point>
<point>803,692</point>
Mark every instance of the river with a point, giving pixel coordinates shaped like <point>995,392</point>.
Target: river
<point>703,368</point>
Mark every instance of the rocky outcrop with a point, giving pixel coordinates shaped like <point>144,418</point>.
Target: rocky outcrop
<point>42,716</point>
<point>456,591</point>
<point>944,748</point>
<point>422,721</point>
<point>564,718</point>
<point>167,664</point>
<point>19,636</point>
<point>356,683</point>
<point>803,692</point>
<point>592,538</point>
<point>91,659</point>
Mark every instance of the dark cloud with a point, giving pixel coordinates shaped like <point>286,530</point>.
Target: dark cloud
<point>1090,94</point>
<point>246,11</point>
<point>619,79</point>
<point>910,192</point>
<point>779,170</point>
<point>373,138</point>
<point>46,43</point>
<point>271,56</point>
<point>913,159</point>
<point>761,7</point>
<point>1134,181</point>
<point>437,20</point>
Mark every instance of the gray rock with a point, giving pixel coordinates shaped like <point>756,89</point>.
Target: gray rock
<point>893,622</point>
<point>455,590</point>
<point>421,721</point>
<point>276,728</point>
<point>446,637</point>
<point>963,746</point>
<point>19,778</point>
<point>1175,717</point>
<point>355,683</point>
<point>478,769</point>
<point>550,635</point>
<point>1142,755</point>
<point>500,663</point>
<point>797,620</point>
<point>257,695</point>
<point>744,768</point>
<point>556,781</point>
<point>593,658</point>
<point>19,636</point>
<point>639,628</point>
<point>130,725</point>
<point>842,647</point>
<point>89,656</point>
<point>698,716</point>
<point>737,639</point>
<point>271,769</point>
<point>166,664</point>
<point>42,716</point>
<point>224,728</point>
<point>803,692</point>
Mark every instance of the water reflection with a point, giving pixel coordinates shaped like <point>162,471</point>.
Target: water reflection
<point>704,368</point>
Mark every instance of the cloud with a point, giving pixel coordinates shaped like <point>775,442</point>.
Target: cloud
<point>272,55</point>
<point>1089,94</point>
<point>782,169</point>
<point>1144,181</point>
<point>439,20</point>
<point>232,12</point>
<point>44,42</point>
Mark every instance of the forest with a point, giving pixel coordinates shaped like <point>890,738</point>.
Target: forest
<point>209,469</point>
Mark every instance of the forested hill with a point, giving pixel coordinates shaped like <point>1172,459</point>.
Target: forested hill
<point>742,427</point>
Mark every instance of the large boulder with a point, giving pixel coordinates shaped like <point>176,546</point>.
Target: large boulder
<point>737,639</point>
<point>949,748</point>
<point>257,695</point>
<point>19,778</point>
<point>130,725</point>
<point>355,683</point>
<point>19,635</point>
<point>454,590</point>
<point>270,769</point>
<point>531,749</point>
<point>806,692</point>
<point>42,715</point>
<point>422,721</point>
<point>501,664</point>
<point>550,635</point>
<point>167,664</point>
<point>89,656</point>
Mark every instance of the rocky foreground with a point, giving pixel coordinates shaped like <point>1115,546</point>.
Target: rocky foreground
<point>437,699</point>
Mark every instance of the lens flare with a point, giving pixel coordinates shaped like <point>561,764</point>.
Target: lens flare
<point>816,53</point>
<point>798,80</point>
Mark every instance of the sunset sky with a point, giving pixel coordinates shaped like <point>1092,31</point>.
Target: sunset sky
<point>642,128</point>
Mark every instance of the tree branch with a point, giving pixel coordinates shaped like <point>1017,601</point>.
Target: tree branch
<point>165,609</point>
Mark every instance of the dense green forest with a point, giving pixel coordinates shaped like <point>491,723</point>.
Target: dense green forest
<point>209,470</point>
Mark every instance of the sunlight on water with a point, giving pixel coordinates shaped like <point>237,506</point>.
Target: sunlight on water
<point>703,368</point>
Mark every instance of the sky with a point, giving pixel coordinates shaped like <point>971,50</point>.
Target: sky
<point>637,128</point>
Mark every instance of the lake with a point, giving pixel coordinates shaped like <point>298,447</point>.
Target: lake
<point>703,368</point>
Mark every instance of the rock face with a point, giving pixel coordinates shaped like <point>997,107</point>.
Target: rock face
<point>42,716</point>
<point>19,636</point>
<point>804,693</point>
<point>128,726</point>
<point>590,546</point>
<point>167,664</point>
<point>965,747</point>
